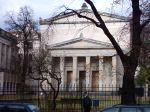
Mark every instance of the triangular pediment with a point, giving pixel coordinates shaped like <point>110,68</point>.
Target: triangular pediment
<point>80,43</point>
<point>71,17</point>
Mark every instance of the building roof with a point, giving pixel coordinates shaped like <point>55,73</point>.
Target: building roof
<point>81,43</point>
<point>6,35</point>
<point>66,14</point>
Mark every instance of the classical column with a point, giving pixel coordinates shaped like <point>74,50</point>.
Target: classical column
<point>88,77</point>
<point>114,63</point>
<point>62,62</point>
<point>75,78</point>
<point>101,73</point>
<point>1,82</point>
<point>0,55</point>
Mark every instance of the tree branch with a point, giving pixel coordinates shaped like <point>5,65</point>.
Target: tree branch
<point>82,16</point>
<point>107,32</point>
<point>145,23</point>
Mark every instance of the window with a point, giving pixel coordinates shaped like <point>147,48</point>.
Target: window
<point>2,55</point>
<point>146,36</point>
<point>146,109</point>
<point>7,56</point>
<point>130,109</point>
<point>16,109</point>
<point>34,108</point>
<point>112,110</point>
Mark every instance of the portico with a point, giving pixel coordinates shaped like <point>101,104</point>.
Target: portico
<point>89,59</point>
<point>88,67</point>
<point>8,50</point>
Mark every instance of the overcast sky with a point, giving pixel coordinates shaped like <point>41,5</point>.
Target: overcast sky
<point>46,8</point>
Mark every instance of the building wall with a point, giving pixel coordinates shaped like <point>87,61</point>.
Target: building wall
<point>107,69</point>
<point>59,31</point>
<point>8,52</point>
<point>145,51</point>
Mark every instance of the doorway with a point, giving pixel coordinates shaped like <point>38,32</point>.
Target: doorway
<point>69,79</point>
<point>95,80</point>
<point>82,80</point>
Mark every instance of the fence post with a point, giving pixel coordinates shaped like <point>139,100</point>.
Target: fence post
<point>146,89</point>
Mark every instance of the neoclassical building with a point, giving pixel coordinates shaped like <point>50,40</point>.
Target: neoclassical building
<point>8,54</point>
<point>84,55</point>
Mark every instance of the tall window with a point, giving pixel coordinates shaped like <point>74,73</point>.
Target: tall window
<point>7,56</point>
<point>2,55</point>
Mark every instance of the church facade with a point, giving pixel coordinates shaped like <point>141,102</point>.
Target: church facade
<point>83,54</point>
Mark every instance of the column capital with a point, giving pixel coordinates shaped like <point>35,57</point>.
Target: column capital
<point>100,57</point>
<point>75,57</point>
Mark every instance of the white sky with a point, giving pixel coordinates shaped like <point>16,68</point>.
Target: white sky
<point>45,8</point>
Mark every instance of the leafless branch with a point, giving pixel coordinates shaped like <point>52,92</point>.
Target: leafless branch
<point>82,16</point>
<point>145,23</point>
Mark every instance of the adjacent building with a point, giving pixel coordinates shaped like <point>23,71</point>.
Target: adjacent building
<point>8,54</point>
<point>145,50</point>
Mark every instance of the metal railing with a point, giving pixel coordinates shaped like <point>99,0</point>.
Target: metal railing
<point>69,99</point>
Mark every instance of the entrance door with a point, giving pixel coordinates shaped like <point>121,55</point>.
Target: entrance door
<point>69,79</point>
<point>95,80</point>
<point>82,80</point>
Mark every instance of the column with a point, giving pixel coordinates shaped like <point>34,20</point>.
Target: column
<point>75,78</point>
<point>88,77</point>
<point>114,63</point>
<point>0,55</point>
<point>101,73</point>
<point>62,62</point>
<point>1,82</point>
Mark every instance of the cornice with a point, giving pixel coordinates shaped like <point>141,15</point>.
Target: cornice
<point>68,14</point>
<point>75,40</point>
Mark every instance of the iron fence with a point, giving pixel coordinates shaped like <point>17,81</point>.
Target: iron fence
<point>69,100</point>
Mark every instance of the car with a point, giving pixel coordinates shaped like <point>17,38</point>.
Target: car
<point>13,106</point>
<point>127,108</point>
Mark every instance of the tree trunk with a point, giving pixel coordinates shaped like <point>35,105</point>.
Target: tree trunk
<point>128,87</point>
<point>53,103</point>
<point>129,61</point>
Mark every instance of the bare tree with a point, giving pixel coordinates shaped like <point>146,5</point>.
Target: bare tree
<point>25,28</point>
<point>140,18</point>
<point>130,61</point>
<point>43,70</point>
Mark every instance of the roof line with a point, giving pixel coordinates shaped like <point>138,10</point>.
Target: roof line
<point>79,39</point>
<point>7,35</point>
<point>68,14</point>
<point>58,48</point>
